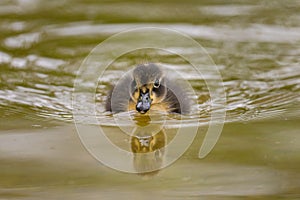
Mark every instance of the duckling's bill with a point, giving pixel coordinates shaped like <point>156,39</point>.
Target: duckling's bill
<point>144,102</point>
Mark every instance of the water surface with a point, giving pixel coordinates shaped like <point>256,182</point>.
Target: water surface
<point>255,46</point>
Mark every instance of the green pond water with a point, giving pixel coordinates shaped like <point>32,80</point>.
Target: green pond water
<point>255,46</point>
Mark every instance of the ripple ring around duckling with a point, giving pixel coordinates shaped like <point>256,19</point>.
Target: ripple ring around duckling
<point>109,50</point>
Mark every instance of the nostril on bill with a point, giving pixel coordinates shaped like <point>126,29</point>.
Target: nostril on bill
<point>143,105</point>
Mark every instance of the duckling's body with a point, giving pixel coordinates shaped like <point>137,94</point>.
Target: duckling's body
<point>147,88</point>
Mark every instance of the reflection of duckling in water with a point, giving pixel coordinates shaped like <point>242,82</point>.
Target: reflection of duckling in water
<point>148,143</point>
<point>147,88</point>
<point>149,150</point>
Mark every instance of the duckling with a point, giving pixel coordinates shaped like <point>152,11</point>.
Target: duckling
<point>147,88</point>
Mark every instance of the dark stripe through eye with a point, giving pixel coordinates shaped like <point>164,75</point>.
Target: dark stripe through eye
<point>133,85</point>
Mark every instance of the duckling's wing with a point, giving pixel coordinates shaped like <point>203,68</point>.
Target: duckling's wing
<point>119,96</point>
<point>178,97</point>
<point>108,100</point>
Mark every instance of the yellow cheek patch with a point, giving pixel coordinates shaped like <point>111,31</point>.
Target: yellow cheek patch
<point>157,99</point>
<point>152,96</point>
<point>136,96</point>
<point>131,105</point>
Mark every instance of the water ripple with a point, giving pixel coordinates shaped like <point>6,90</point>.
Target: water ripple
<point>257,55</point>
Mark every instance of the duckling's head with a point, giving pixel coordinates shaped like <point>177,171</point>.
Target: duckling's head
<point>148,86</point>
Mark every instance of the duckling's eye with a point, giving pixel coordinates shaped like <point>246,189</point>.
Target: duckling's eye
<point>156,84</point>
